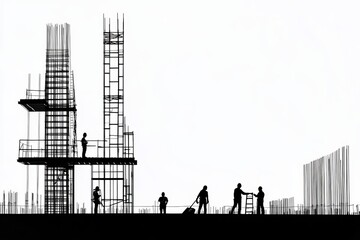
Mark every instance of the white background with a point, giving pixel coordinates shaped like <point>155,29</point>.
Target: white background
<point>217,92</point>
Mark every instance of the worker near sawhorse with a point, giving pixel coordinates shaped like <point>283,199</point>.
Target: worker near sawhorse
<point>237,198</point>
<point>96,199</point>
<point>260,201</point>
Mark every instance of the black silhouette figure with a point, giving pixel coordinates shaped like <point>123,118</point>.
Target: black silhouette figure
<point>96,199</point>
<point>204,199</point>
<point>84,145</point>
<point>260,201</point>
<point>237,198</point>
<point>163,202</point>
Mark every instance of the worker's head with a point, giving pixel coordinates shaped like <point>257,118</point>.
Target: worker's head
<point>205,187</point>
<point>239,185</point>
<point>97,188</point>
<point>84,134</point>
<point>162,194</point>
<point>260,188</point>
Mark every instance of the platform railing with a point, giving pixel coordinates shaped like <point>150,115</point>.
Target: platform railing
<point>30,148</point>
<point>35,94</point>
<point>35,148</point>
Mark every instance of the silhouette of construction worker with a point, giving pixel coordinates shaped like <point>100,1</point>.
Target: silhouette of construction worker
<point>260,201</point>
<point>237,198</point>
<point>163,202</point>
<point>96,199</point>
<point>84,145</point>
<point>204,199</point>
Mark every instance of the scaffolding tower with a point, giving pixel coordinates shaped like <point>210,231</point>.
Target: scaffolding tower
<point>115,181</point>
<point>112,164</point>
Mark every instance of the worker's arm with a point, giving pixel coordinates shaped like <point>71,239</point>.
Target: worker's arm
<point>244,193</point>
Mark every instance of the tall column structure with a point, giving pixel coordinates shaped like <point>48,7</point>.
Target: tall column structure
<point>59,129</point>
<point>115,181</point>
<point>327,184</point>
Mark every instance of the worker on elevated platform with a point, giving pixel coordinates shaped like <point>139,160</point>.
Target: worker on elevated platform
<point>84,145</point>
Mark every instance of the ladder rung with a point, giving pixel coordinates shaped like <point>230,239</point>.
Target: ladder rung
<point>54,134</point>
<point>58,145</point>
<point>56,122</point>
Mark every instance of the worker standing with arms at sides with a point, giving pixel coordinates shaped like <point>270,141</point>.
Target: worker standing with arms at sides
<point>163,202</point>
<point>84,145</point>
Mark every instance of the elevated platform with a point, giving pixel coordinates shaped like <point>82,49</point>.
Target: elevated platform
<point>34,105</point>
<point>41,105</point>
<point>76,161</point>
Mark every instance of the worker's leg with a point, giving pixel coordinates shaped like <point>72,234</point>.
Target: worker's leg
<point>239,207</point>
<point>83,151</point>
<point>200,206</point>
<point>233,208</point>
<point>205,210</point>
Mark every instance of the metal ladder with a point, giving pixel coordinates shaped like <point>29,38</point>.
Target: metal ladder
<point>249,204</point>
